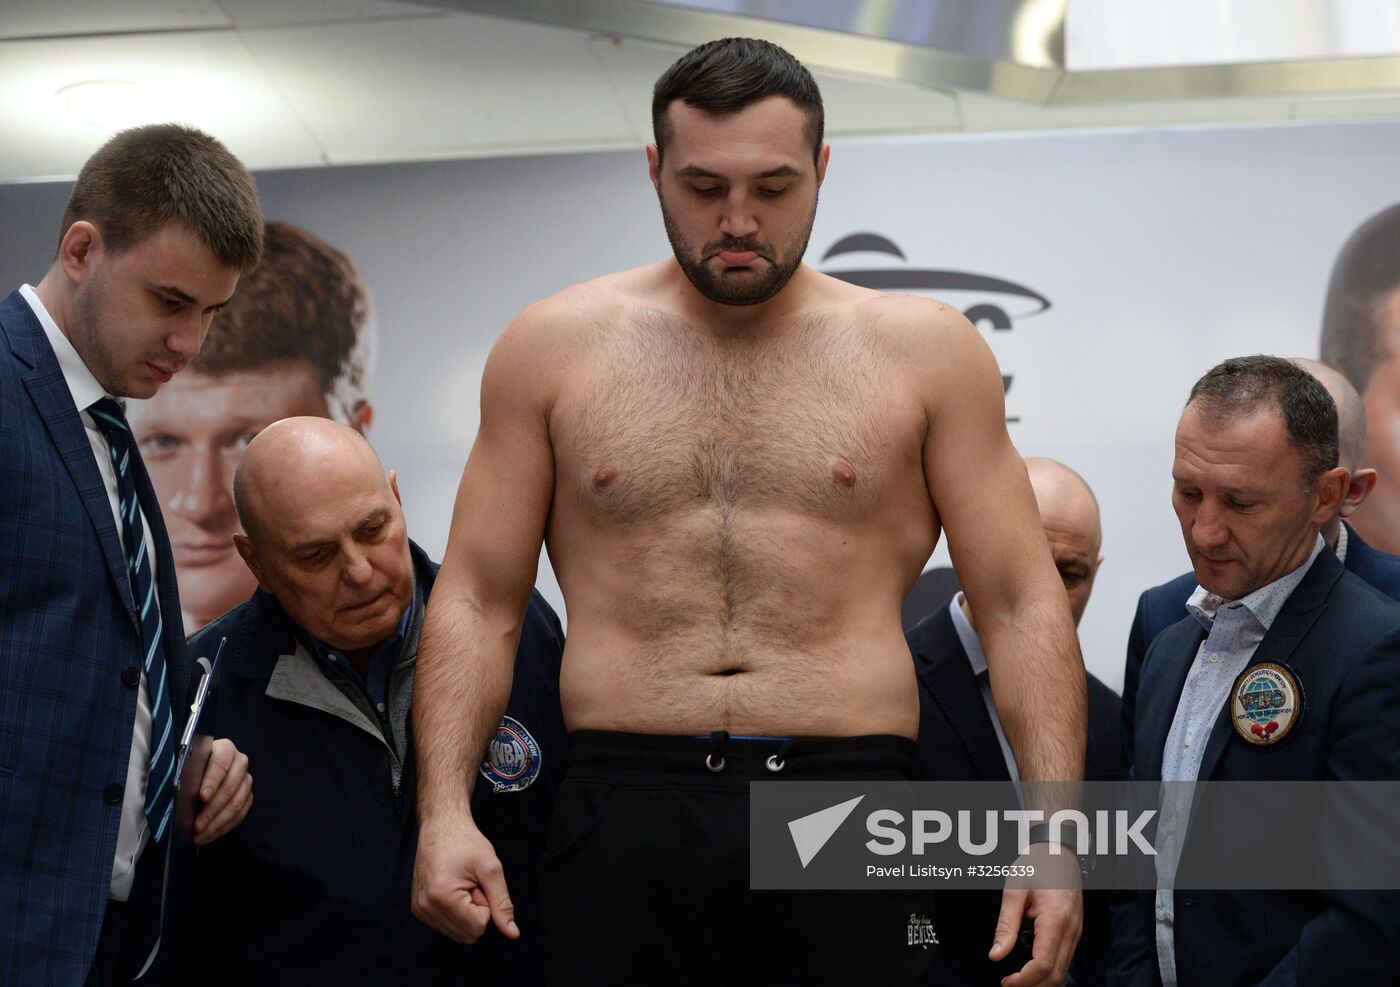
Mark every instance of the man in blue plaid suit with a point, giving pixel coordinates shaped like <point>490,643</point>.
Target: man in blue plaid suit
<point>93,668</point>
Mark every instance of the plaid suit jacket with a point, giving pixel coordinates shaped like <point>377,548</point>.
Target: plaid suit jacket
<point>68,633</point>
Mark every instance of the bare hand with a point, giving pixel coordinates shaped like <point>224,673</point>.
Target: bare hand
<point>226,791</point>
<point>458,884</point>
<point>1055,905</point>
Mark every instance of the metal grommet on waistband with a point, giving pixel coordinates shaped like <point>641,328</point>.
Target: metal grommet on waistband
<point>775,764</point>
<point>715,759</point>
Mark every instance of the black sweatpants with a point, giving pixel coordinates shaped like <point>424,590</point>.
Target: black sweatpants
<point>646,869</point>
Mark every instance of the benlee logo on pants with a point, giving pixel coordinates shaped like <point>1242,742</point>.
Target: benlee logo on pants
<point>921,932</point>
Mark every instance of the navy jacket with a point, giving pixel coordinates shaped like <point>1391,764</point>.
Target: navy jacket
<point>958,743</point>
<point>314,886</point>
<point>1341,639</point>
<point>69,642</point>
<point>1160,607</point>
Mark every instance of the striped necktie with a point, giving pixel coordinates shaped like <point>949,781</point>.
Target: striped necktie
<point>160,784</point>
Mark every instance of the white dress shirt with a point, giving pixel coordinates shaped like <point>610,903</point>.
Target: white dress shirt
<point>133,834</point>
<point>977,658</point>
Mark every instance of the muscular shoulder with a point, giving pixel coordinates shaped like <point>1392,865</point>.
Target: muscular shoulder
<point>917,327</point>
<point>533,355</point>
<point>933,342</point>
<point>561,319</point>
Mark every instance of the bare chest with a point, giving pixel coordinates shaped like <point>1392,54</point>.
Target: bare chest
<point>668,420</point>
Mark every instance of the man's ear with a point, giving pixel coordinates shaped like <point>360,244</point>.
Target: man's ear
<point>79,249</point>
<point>394,485</point>
<point>1360,487</point>
<point>1331,488</point>
<point>654,166</point>
<point>249,556</point>
<point>362,417</point>
<point>823,156</point>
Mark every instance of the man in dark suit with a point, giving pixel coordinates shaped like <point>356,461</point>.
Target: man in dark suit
<point>314,886</point>
<point>961,737</point>
<point>161,223</point>
<point>1160,607</point>
<point>1254,480</point>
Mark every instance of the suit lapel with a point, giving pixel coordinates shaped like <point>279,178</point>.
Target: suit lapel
<point>1300,611</point>
<point>1163,677</point>
<point>943,668</point>
<point>54,403</point>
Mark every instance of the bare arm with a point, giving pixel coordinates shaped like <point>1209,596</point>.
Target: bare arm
<point>472,629</point>
<point>984,499</point>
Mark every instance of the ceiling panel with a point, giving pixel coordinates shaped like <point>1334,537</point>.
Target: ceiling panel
<point>279,13</point>
<point>853,105</point>
<point>43,18</point>
<point>204,78</point>
<point>988,113</point>
<point>863,106</point>
<point>1369,106</point>
<point>301,82</point>
<point>432,86</point>
<point>632,68</point>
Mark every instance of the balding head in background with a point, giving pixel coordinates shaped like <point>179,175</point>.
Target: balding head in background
<point>1351,441</point>
<point>325,531</point>
<point>1069,513</point>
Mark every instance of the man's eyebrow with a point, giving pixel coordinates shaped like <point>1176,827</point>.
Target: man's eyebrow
<point>378,514</point>
<point>185,297</point>
<point>306,546</point>
<point>781,171</point>
<point>1246,492</point>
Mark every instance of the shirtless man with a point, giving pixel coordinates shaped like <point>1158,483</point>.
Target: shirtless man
<point>739,467</point>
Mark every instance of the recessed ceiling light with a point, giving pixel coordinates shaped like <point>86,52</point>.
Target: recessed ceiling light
<point>115,104</point>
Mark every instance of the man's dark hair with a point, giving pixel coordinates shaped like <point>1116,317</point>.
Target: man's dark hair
<point>147,177</point>
<point>1240,386</point>
<point>1367,270</point>
<point>305,301</point>
<point>727,75</point>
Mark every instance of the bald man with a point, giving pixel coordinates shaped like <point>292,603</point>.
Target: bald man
<point>318,680</point>
<point>1160,607</point>
<point>961,737</point>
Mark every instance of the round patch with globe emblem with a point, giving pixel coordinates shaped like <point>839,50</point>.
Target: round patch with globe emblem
<point>1266,703</point>
<point>512,758</point>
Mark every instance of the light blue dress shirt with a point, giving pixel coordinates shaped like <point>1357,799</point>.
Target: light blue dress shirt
<point>1233,633</point>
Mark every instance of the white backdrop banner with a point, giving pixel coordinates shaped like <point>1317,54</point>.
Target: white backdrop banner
<point>1107,270</point>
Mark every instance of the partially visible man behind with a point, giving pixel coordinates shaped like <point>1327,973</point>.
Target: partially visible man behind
<point>313,888</point>
<point>1161,606</point>
<point>1361,336</point>
<point>161,223</point>
<point>297,339</point>
<point>961,737</point>
<point>1254,480</point>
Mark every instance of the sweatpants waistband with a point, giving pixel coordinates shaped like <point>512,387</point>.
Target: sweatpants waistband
<point>719,759</point>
